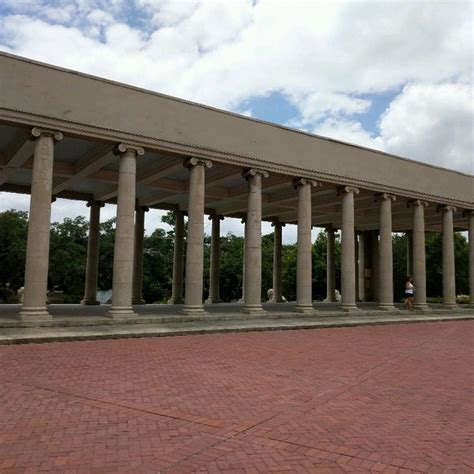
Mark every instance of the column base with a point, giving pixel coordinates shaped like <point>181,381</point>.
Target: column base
<point>138,301</point>
<point>121,313</point>
<point>349,307</point>
<point>213,301</point>
<point>90,301</point>
<point>253,309</point>
<point>193,310</point>
<point>422,307</point>
<point>304,309</point>
<point>450,306</point>
<point>387,307</point>
<point>176,301</point>
<point>34,313</point>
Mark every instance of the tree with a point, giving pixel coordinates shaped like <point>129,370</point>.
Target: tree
<point>67,261</point>
<point>13,236</point>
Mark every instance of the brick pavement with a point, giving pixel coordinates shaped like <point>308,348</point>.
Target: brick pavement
<point>381,399</point>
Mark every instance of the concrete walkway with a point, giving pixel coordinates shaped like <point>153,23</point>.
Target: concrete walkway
<point>76,322</point>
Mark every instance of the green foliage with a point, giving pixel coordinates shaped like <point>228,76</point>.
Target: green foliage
<point>13,234</point>
<point>68,250</point>
<point>67,258</point>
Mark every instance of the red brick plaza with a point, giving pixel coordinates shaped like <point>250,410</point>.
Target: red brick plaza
<point>385,398</point>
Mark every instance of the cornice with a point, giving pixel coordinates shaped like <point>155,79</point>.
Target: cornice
<point>19,118</point>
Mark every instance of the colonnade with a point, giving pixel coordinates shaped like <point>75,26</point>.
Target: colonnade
<point>128,254</point>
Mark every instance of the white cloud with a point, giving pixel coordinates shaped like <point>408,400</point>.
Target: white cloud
<point>433,123</point>
<point>348,131</point>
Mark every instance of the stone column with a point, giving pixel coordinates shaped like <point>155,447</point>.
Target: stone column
<point>178,259</point>
<point>449,275</point>
<point>356,264</point>
<point>253,243</point>
<point>330,266</point>
<point>386,252</point>
<point>137,297</point>
<point>304,281</point>
<point>92,264</point>
<point>124,233</point>
<point>418,254</point>
<point>37,247</point>
<point>361,267</point>
<point>375,265</point>
<point>348,302</point>
<point>214,296</point>
<point>242,299</point>
<point>277,262</point>
<point>409,239</point>
<point>470,216</point>
<point>195,242</point>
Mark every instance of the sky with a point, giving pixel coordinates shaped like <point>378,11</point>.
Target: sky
<point>392,75</point>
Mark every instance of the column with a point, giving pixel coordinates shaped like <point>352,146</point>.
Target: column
<point>375,265</point>
<point>449,276</point>
<point>92,263</point>
<point>137,297</point>
<point>330,266</point>
<point>304,281</point>
<point>277,262</point>
<point>386,252</point>
<point>37,248</point>
<point>418,254</point>
<point>122,281</point>
<point>470,216</point>
<point>242,299</point>
<point>409,239</point>
<point>356,263</point>
<point>348,302</point>
<point>195,242</point>
<point>214,296</point>
<point>178,259</point>
<point>253,243</point>
<point>361,267</point>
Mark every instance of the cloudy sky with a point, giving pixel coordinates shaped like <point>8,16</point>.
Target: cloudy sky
<point>393,75</point>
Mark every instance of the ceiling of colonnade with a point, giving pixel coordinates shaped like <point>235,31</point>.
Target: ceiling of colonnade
<point>87,169</point>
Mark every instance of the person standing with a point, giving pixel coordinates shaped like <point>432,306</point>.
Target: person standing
<point>409,293</point>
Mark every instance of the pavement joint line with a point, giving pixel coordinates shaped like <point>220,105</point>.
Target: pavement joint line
<point>109,403</point>
<point>328,451</point>
<point>335,391</point>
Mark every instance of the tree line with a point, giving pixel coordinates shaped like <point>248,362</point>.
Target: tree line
<point>68,249</point>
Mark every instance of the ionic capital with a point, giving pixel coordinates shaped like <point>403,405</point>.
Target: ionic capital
<point>468,212</point>
<point>251,173</point>
<point>138,207</point>
<point>347,190</point>
<point>276,222</point>
<point>384,196</point>
<point>215,216</point>
<point>56,134</point>
<point>193,161</point>
<point>94,203</point>
<point>297,182</point>
<point>417,202</point>
<point>446,208</point>
<point>124,147</point>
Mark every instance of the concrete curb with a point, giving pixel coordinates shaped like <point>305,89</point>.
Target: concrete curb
<point>45,335</point>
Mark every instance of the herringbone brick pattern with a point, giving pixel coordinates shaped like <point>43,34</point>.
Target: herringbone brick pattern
<point>380,399</point>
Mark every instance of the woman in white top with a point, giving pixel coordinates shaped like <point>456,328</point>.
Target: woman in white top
<point>409,293</point>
